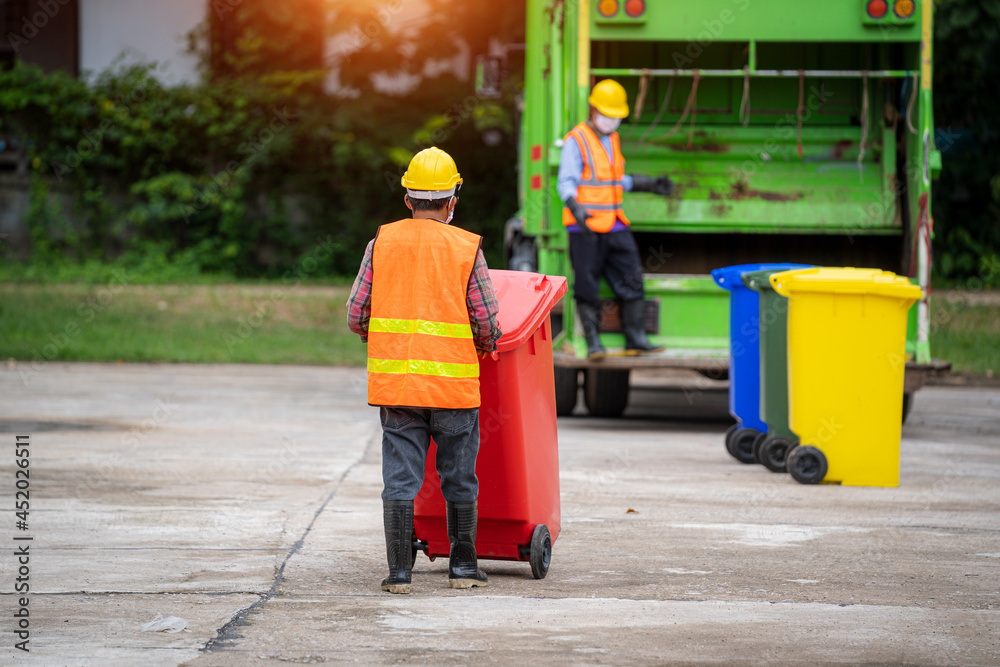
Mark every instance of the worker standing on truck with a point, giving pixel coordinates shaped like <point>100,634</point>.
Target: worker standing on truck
<point>592,179</point>
<point>424,302</point>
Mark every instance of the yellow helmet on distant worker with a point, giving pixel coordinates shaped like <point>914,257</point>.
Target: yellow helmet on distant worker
<point>609,98</point>
<point>432,170</point>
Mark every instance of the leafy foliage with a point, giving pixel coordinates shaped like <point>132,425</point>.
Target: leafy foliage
<point>240,175</point>
<point>967,197</point>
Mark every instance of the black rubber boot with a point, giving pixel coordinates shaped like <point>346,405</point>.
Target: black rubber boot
<point>635,329</point>
<point>463,567</point>
<point>590,317</point>
<point>397,515</point>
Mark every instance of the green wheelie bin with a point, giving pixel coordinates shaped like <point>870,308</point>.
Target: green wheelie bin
<point>771,447</point>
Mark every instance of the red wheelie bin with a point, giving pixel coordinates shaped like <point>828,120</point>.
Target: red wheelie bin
<point>518,464</point>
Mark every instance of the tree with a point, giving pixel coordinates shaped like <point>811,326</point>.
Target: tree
<point>967,107</point>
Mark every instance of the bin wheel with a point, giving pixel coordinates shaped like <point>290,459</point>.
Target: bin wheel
<point>757,442</point>
<point>729,436</point>
<point>773,452</point>
<point>541,551</point>
<point>605,392</point>
<point>740,444</point>
<point>567,389</point>
<point>907,405</point>
<point>807,465</point>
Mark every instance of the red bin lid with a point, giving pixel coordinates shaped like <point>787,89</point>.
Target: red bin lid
<point>525,301</point>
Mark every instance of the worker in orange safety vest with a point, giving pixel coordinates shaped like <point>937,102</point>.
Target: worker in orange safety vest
<point>424,302</point>
<point>591,182</point>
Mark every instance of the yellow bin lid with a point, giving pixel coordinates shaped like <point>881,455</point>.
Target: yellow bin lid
<point>846,280</point>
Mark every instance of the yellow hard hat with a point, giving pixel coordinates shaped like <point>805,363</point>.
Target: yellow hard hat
<point>432,170</point>
<point>609,98</point>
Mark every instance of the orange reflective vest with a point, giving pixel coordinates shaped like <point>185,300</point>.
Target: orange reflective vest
<point>420,348</point>
<point>601,189</point>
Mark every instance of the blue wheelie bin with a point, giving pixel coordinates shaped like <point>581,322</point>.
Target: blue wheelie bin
<point>744,357</point>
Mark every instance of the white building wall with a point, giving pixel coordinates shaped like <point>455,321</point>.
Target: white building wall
<point>142,30</point>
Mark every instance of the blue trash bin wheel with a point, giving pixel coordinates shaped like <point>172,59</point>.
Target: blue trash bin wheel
<point>740,445</point>
<point>729,436</point>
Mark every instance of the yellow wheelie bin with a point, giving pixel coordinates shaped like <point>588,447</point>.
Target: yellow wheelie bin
<point>846,359</point>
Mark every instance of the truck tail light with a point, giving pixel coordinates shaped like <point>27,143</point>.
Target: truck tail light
<point>635,8</point>
<point>607,8</point>
<point>903,8</point>
<point>878,8</point>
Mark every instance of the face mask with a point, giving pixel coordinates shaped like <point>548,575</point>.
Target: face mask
<point>451,214</point>
<point>606,125</point>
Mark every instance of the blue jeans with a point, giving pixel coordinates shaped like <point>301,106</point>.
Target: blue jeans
<point>406,437</point>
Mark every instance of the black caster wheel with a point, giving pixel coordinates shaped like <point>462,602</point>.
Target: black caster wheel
<point>773,453</point>
<point>757,443</point>
<point>806,465</point>
<point>729,436</point>
<point>740,444</point>
<point>541,551</point>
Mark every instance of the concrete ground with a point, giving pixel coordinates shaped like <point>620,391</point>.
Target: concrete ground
<point>245,500</point>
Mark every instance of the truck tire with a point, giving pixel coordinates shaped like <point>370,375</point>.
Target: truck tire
<point>605,392</point>
<point>567,390</point>
<point>520,250</point>
<point>714,373</point>
<point>556,322</point>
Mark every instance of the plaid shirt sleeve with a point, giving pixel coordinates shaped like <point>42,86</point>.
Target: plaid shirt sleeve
<point>359,305</point>
<point>483,307</point>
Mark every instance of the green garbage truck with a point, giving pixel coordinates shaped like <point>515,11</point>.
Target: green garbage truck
<point>795,132</point>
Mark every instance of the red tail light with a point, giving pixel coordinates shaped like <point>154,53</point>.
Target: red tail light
<point>877,8</point>
<point>635,8</point>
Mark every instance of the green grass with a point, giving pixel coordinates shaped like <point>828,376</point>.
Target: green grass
<point>187,323</point>
<point>272,324</point>
<point>966,332</point>
<point>144,270</point>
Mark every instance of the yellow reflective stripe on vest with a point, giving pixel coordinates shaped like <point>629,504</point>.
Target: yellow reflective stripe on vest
<point>446,329</point>
<point>421,367</point>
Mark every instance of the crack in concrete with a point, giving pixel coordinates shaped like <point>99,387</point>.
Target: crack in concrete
<point>228,634</point>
